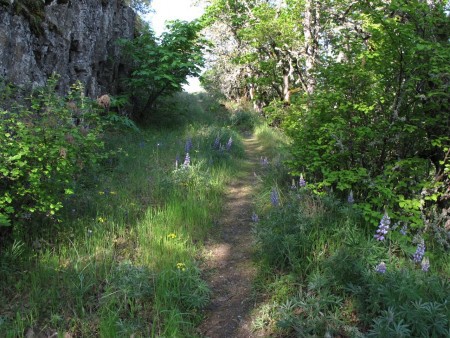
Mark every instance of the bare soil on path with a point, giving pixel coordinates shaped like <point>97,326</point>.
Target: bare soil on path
<point>228,265</point>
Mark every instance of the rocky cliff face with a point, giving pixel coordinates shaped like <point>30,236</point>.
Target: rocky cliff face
<point>77,39</point>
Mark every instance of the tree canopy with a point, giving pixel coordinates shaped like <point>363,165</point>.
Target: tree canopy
<point>362,87</point>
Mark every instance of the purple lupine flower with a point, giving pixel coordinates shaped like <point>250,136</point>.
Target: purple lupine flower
<point>420,252</point>
<point>350,198</point>
<point>425,264</point>
<point>217,142</point>
<point>301,181</point>
<point>187,161</point>
<point>264,161</point>
<point>229,143</point>
<point>403,230</point>
<point>255,218</point>
<point>381,268</point>
<point>383,228</point>
<point>293,185</point>
<point>188,145</point>
<point>274,198</point>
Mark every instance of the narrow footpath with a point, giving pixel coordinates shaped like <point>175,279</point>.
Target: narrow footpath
<point>228,265</point>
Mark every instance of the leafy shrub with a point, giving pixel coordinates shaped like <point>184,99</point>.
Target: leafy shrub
<point>160,66</point>
<point>360,130</point>
<point>45,146</point>
<point>243,120</point>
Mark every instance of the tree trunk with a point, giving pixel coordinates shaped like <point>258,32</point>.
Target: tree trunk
<point>286,92</point>
<point>311,30</point>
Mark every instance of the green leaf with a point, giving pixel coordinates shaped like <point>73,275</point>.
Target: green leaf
<point>4,221</point>
<point>68,191</point>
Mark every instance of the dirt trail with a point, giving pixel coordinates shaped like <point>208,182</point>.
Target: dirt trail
<point>228,267</point>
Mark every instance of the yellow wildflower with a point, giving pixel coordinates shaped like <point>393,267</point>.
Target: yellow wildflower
<point>172,236</point>
<point>181,266</point>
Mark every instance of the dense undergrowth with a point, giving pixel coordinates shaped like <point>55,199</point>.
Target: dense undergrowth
<point>324,273</point>
<point>119,256</point>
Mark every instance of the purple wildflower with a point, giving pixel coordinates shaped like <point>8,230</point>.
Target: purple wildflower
<point>420,252</point>
<point>229,143</point>
<point>383,228</point>
<point>381,268</point>
<point>187,161</point>
<point>403,230</point>
<point>255,218</point>
<point>264,161</point>
<point>350,198</point>
<point>425,264</point>
<point>216,142</point>
<point>274,198</point>
<point>301,181</point>
<point>188,145</point>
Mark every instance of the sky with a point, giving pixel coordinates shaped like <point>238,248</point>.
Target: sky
<point>166,10</point>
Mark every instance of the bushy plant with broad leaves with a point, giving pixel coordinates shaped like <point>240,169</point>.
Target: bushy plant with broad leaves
<point>160,66</point>
<point>45,146</point>
<point>378,130</point>
<point>243,120</point>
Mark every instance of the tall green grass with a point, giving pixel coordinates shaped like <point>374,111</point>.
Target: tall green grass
<point>123,260</point>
